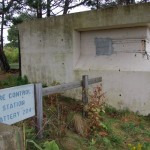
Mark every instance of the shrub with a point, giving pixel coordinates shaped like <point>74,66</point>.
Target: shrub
<point>95,108</point>
<point>13,81</point>
<point>12,54</point>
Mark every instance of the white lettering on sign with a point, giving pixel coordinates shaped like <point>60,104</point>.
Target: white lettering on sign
<point>17,104</point>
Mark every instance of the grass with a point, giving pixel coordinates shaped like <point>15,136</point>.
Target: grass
<point>13,80</point>
<point>119,128</point>
<point>14,65</point>
<point>123,128</point>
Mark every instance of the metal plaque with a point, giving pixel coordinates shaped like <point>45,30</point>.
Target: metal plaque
<point>103,46</point>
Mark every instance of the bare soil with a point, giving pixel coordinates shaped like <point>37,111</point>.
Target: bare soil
<point>5,75</point>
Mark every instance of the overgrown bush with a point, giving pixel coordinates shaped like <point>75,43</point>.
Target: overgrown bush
<point>95,108</point>
<point>13,81</point>
<point>12,54</point>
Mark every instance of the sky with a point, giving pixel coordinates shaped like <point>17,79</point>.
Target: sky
<point>77,9</point>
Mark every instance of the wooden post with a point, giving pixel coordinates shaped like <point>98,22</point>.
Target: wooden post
<point>39,109</point>
<point>84,91</point>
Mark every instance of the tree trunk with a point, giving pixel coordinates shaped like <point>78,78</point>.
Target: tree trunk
<point>2,27</point>
<point>66,6</point>
<point>48,8</point>
<point>3,60</point>
<point>97,4</point>
<point>39,9</point>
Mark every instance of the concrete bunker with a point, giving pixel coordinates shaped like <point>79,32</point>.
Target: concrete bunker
<point>113,43</point>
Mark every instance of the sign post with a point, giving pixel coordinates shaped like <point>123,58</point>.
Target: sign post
<point>17,104</point>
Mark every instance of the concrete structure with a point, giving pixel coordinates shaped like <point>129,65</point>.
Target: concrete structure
<point>64,48</point>
<point>11,138</point>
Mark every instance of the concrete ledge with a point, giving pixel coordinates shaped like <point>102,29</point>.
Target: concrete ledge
<point>112,17</point>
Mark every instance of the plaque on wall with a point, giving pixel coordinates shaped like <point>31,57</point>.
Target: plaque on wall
<point>103,46</point>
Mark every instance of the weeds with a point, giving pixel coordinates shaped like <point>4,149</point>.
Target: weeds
<point>94,108</point>
<point>145,146</point>
<point>115,139</point>
<point>46,146</point>
<point>14,81</point>
<point>128,127</point>
<point>104,128</point>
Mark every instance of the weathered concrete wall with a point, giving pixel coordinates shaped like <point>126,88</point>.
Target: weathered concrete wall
<point>127,45</point>
<point>62,49</point>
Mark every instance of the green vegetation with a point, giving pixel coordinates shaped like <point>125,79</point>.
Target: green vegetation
<point>13,36</point>
<point>47,145</point>
<point>13,81</point>
<point>124,132</point>
<point>104,127</point>
<point>12,54</point>
<point>14,65</point>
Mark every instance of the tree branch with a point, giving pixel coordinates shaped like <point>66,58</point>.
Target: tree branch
<point>81,3</point>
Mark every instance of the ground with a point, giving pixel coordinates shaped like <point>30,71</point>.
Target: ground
<point>6,75</point>
<point>102,128</point>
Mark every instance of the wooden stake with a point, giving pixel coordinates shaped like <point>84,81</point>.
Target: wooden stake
<point>39,109</point>
<point>84,91</point>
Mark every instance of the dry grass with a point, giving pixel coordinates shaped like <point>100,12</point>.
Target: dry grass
<point>80,125</point>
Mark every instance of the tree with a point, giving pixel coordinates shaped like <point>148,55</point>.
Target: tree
<point>35,6</point>
<point>4,63</point>
<point>13,37</point>
<point>6,11</point>
<point>13,31</point>
<point>52,7</point>
<point>70,4</point>
<point>97,4</point>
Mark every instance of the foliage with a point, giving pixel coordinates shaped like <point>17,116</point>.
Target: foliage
<point>116,129</point>
<point>14,81</point>
<point>98,4</point>
<point>12,37</point>
<point>113,134</point>
<point>35,144</point>
<point>13,32</point>
<point>47,145</point>
<point>145,146</point>
<point>94,108</point>
<point>31,9</point>
<point>12,54</point>
<point>51,145</point>
<point>7,10</point>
